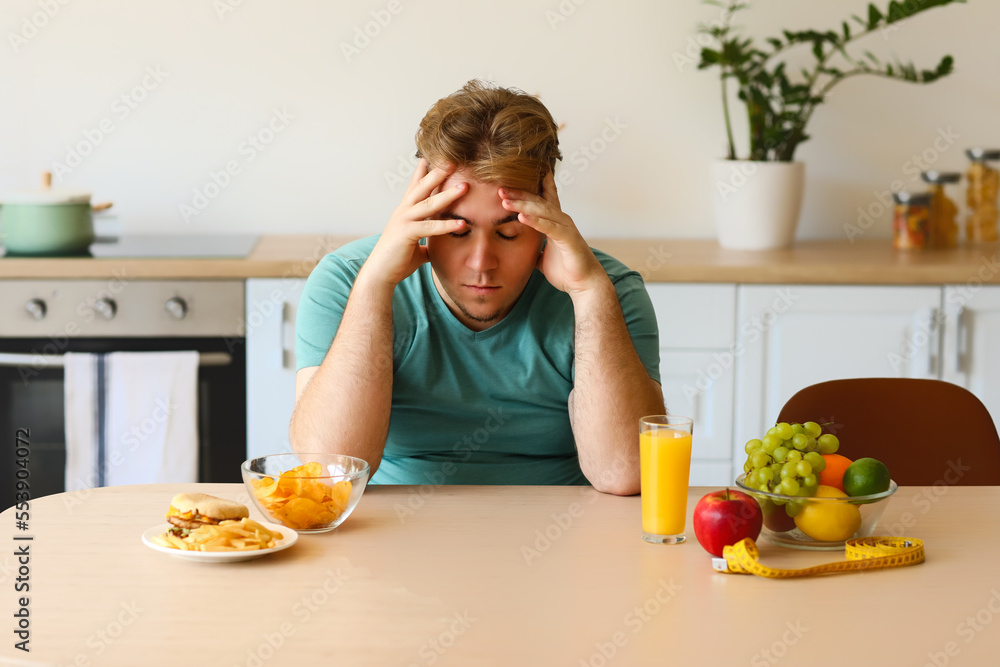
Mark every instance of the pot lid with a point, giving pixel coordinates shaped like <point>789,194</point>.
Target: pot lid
<point>45,195</point>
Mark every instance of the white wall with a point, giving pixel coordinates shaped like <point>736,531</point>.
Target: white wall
<point>330,169</point>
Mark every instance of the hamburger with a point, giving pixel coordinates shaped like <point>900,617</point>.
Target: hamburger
<point>189,511</point>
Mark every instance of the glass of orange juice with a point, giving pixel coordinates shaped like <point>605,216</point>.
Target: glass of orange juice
<point>664,461</point>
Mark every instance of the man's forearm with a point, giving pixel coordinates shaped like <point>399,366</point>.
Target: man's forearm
<point>345,407</point>
<point>612,392</point>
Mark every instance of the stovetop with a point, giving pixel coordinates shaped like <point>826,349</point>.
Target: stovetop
<point>163,246</point>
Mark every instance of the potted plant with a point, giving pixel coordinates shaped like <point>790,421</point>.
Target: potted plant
<point>756,201</point>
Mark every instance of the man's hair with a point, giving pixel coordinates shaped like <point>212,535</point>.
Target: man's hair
<point>500,135</point>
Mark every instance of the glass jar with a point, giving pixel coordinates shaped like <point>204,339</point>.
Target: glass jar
<point>942,226</point>
<point>910,223</point>
<point>983,197</point>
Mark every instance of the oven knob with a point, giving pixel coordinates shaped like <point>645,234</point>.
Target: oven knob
<point>36,308</point>
<point>107,308</point>
<point>177,307</point>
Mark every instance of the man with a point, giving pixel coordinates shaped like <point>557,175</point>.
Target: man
<point>502,351</point>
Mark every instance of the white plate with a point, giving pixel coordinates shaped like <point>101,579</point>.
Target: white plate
<point>288,538</point>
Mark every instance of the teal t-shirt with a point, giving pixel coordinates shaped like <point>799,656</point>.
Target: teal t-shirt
<point>468,407</point>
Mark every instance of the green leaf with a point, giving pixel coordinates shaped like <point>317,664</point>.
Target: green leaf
<point>896,12</point>
<point>871,57</point>
<point>847,31</point>
<point>874,17</point>
<point>818,50</point>
<point>776,43</point>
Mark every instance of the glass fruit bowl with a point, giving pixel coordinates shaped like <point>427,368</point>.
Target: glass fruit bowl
<point>820,523</point>
<point>311,493</point>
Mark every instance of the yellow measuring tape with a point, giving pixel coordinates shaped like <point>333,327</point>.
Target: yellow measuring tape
<point>863,553</point>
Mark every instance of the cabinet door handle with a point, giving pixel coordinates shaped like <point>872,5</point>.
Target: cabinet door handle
<point>924,321</point>
<point>959,338</point>
<point>282,318</point>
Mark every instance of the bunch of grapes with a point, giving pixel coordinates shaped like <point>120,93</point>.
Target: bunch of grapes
<point>787,460</point>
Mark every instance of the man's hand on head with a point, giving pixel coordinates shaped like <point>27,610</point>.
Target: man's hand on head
<point>567,260</point>
<point>398,252</point>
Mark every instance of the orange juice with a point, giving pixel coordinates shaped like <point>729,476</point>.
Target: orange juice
<point>665,460</point>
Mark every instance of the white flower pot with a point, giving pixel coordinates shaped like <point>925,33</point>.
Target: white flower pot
<point>756,205</point>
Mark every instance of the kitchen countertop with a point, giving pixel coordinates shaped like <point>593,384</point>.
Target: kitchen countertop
<point>866,262</point>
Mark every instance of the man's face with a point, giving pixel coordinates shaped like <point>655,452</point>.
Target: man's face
<point>481,272</point>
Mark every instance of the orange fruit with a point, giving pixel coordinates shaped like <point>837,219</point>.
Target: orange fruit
<point>833,473</point>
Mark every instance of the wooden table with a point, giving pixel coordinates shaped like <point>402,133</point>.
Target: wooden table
<point>493,576</point>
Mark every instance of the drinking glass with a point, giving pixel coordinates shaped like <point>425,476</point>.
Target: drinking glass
<point>665,462</point>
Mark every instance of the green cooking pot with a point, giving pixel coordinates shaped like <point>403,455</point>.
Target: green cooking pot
<point>47,222</point>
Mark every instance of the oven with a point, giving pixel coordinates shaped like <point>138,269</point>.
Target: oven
<point>41,320</point>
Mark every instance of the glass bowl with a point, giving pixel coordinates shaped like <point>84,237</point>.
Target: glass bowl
<point>315,498</point>
<point>826,518</point>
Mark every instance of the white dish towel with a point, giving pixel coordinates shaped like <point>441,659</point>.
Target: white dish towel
<point>131,418</point>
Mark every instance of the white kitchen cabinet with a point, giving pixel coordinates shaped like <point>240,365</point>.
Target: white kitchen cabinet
<point>971,351</point>
<point>697,325</point>
<point>793,336</point>
<point>271,305</point>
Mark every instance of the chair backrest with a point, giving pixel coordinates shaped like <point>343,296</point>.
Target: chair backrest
<point>926,431</point>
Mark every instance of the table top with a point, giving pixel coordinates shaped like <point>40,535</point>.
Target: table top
<point>480,575</point>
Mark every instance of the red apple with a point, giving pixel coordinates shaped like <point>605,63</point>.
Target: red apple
<point>723,518</point>
<point>775,517</point>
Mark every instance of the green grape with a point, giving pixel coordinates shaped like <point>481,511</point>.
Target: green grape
<point>780,454</point>
<point>789,487</point>
<point>746,467</point>
<point>810,482</point>
<point>804,492</point>
<point>794,507</point>
<point>813,429</point>
<point>764,487</point>
<point>811,444</point>
<point>803,468</point>
<point>759,459</point>
<point>771,440</point>
<point>765,474</point>
<point>771,431</point>
<point>798,428</point>
<point>784,430</point>
<point>788,471</point>
<point>828,443</point>
<point>751,446</point>
<point>778,501</point>
<point>800,441</point>
<point>769,446</point>
<point>794,455</point>
<point>752,479</point>
<point>816,460</point>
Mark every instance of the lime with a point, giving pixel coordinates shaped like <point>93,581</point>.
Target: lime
<point>828,521</point>
<point>865,477</point>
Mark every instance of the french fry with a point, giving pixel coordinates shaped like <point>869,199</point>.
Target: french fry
<point>242,535</point>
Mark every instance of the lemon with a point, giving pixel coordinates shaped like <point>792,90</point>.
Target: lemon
<point>865,477</point>
<point>828,521</point>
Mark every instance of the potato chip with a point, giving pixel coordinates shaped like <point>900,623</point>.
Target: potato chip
<point>300,500</point>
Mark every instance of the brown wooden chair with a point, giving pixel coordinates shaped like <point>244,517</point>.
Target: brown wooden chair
<point>926,431</point>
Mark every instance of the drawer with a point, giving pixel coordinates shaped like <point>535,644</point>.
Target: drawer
<point>694,316</point>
